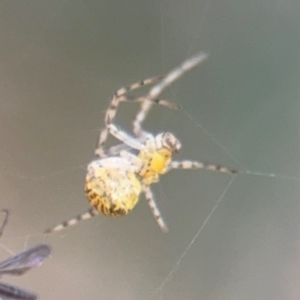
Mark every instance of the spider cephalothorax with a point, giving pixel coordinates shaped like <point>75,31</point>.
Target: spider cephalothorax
<point>169,141</point>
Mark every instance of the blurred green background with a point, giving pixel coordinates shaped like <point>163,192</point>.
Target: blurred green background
<point>60,62</point>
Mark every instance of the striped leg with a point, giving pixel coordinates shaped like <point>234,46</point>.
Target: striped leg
<point>115,150</point>
<point>155,211</point>
<point>166,81</point>
<point>112,110</point>
<point>92,212</point>
<point>187,164</point>
<point>124,137</point>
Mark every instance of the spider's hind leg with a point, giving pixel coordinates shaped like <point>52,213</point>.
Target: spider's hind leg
<point>92,212</point>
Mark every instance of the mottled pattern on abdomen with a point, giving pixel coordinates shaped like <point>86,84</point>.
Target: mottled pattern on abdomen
<point>114,192</point>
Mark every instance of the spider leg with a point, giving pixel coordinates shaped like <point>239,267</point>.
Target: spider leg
<point>120,135</point>
<point>134,86</point>
<point>155,211</point>
<point>132,142</point>
<point>187,164</point>
<point>166,81</point>
<point>4,223</point>
<point>123,137</point>
<point>114,102</point>
<point>112,110</point>
<point>112,163</point>
<point>92,212</point>
<point>115,150</point>
<point>133,159</point>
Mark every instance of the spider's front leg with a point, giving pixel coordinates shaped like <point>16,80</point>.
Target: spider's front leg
<point>188,164</point>
<point>124,137</point>
<point>132,159</point>
<point>159,87</point>
<point>112,111</point>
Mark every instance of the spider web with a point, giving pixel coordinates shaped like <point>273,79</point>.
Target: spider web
<point>231,237</point>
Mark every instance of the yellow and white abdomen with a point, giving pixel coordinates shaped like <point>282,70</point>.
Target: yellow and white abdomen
<point>112,187</point>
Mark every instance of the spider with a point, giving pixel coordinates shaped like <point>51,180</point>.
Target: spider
<point>115,180</point>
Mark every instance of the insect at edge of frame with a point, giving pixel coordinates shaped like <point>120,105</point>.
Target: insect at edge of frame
<point>18,265</point>
<point>115,181</point>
